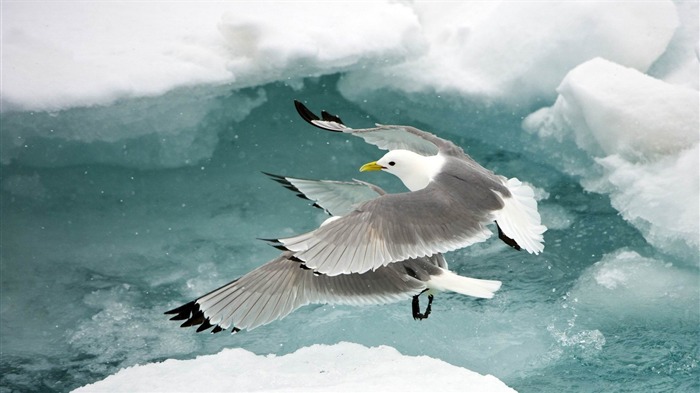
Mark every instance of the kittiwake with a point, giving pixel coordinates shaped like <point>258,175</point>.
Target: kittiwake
<point>285,283</point>
<point>451,200</point>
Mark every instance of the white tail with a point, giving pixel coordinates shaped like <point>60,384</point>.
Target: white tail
<point>448,281</point>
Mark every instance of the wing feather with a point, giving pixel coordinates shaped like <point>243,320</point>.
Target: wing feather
<point>280,286</point>
<point>439,218</point>
<point>335,197</point>
<point>386,137</point>
<point>519,218</point>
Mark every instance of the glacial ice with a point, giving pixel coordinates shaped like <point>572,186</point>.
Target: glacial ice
<point>132,136</point>
<point>641,287</point>
<point>534,52</point>
<point>147,49</point>
<point>137,133</point>
<point>643,133</point>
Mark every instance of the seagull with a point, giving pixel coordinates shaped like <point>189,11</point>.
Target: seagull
<point>450,202</point>
<point>284,284</point>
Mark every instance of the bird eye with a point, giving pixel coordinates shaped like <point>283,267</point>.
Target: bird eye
<point>392,163</point>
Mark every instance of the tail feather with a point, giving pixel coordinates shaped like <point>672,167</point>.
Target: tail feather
<point>448,281</point>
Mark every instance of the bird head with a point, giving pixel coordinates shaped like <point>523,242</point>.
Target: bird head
<point>414,170</point>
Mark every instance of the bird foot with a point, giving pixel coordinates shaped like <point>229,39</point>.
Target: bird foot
<point>417,315</point>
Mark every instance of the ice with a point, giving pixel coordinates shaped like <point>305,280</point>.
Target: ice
<point>613,109</point>
<point>139,133</point>
<point>59,56</point>
<point>679,63</point>
<point>519,52</point>
<point>66,55</point>
<point>406,46</point>
<point>132,137</point>
<point>625,284</point>
<point>52,74</point>
<point>643,133</point>
<point>318,368</point>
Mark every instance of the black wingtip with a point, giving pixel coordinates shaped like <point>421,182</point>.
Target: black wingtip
<point>275,243</point>
<point>282,180</point>
<point>506,239</point>
<point>305,112</point>
<point>194,316</point>
<point>288,185</point>
<point>311,117</point>
<point>329,117</point>
<point>204,326</point>
<point>272,175</point>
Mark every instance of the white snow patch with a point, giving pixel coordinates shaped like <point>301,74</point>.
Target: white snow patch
<point>61,55</point>
<point>519,51</point>
<point>343,367</point>
<point>613,109</point>
<point>58,55</point>
<point>643,134</point>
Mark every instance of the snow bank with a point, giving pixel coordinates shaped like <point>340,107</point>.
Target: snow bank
<point>57,56</point>
<point>643,134</point>
<point>343,367</point>
<point>519,51</point>
<point>612,109</point>
<point>61,55</point>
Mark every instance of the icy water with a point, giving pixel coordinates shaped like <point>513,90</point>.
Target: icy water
<point>99,239</point>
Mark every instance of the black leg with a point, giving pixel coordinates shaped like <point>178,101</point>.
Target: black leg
<point>429,308</point>
<point>416,308</point>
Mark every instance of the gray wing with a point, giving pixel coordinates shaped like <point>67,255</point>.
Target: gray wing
<point>385,137</point>
<point>284,284</point>
<point>446,215</point>
<point>337,198</point>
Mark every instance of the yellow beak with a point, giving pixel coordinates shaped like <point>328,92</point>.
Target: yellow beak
<point>371,166</point>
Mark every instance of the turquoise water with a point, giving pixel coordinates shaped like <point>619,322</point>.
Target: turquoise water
<point>99,239</point>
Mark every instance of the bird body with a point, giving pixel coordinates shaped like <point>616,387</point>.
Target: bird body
<point>284,284</point>
<point>451,200</point>
<point>378,247</point>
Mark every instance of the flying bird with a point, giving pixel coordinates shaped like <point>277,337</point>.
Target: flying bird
<point>285,283</point>
<point>450,202</point>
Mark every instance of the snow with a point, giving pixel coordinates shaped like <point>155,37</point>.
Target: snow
<point>149,48</point>
<point>679,63</point>
<point>519,51</point>
<point>618,110</point>
<point>503,50</point>
<point>643,134</point>
<point>318,368</point>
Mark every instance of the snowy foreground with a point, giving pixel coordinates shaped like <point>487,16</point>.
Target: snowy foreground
<point>343,367</point>
<point>133,134</point>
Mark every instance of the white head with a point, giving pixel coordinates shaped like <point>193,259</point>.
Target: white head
<point>414,170</point>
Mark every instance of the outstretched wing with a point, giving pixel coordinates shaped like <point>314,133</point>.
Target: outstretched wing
<point>447,215</point>
<point>385,137</point>
<point>337,198</point>
<point>284,284</point>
